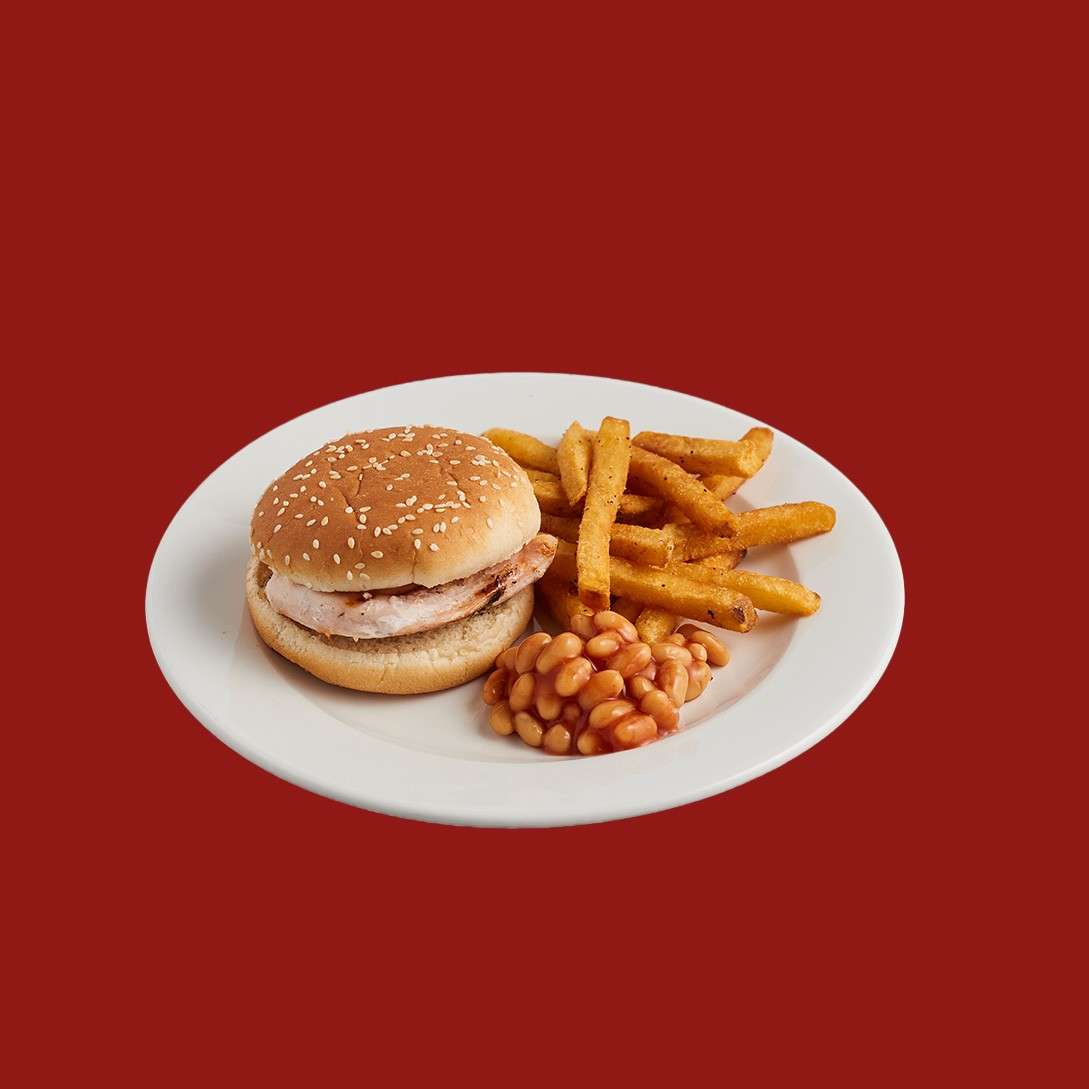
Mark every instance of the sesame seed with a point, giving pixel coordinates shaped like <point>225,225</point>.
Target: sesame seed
<point>377,555</point>
<point>456,518</point>
<point>351,468</point>
<point>316,543</point>
<point>333,475</point>
<point>416,543</point>
<point>277,528</point>
<point>350,576</point>
<point>410,501</point>
<point>287,561</point>
<point>311,521</point>
<point>260,514</point>
<point>275,487</point>
<point>416,532</point>
<point>325,520</point>
<point>490,523</point>
<point>435,527</point>
<point>434,547</point>
<point>387,531</point>
<point>298,515</point>
<point>360,566</point>
<point>455,461</point>
<point>389,487</point>
<point>349,510</point>
<point>306,556</point>
<point>336,557</point>
<point>410,518</point>
<point>351,542</point>
<point>322,484</point>
<point>363,510</point>
<point>483,499</point>
<point>309,463</point>
<point>378,531</point>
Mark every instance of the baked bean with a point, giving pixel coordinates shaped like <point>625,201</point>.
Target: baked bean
<point>639,686</point>
<point>717,654</point>
<point>572,675</point>
<point>601,686</point>
<point>673,680</point>
<point>660,708</point>
<point>557,739</point>
<point>650,672</point>
<point>590,743</point>
<point>604,645</point>
<point>567,645</point>
<point>676,637</point>
<point>628,660</point>
<point>506,659</point>
<point>662,651</point>
<point>521,693</point>
<point>698,651</point>
<point>582,625</point>
<point>633,729</point>
<point>526,658</point>
<point>609,711</point>
<point>501,720</point>
<point>549,704</point>
<point>699,676</point>
<point>570,714</point>
<point>529,729</point>
<point>495,687</point>
<point>607,620</point>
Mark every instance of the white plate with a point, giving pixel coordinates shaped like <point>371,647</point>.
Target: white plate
<point>434,757</point>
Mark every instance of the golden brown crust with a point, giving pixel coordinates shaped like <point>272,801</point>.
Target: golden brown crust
<point>426,662</point>
<point>400,505</point>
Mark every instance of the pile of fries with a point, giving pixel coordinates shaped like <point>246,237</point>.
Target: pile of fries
<point>645,531</point>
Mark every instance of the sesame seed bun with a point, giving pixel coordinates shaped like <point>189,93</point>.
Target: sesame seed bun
<point>426,662</point>
<point>400,505</point>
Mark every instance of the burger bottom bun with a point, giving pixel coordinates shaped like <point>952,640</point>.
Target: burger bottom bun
<point>425,662</point>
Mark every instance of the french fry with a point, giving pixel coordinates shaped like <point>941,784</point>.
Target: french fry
<point>529,452</point>
<point>608,474</point>
<point>702,455</point>
<point>550,497</point>
<point>649,546</point>
<point>692,543</point>
<point>654,624</point>
<point>640,509</point>
<point>574,454</point>
<point>627,608</point>
<point>683,490</point>
<point>724,561</point>
<point>725,486</point>
<point>772,594</point>
<point>562,601</point>
<point>680,594</point>
<point>782,524</point>
<point>767,592</point>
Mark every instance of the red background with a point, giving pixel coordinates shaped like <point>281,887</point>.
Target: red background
<point>847,223</point>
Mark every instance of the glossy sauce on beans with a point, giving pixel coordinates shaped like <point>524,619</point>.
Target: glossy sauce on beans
<point>598,689</point>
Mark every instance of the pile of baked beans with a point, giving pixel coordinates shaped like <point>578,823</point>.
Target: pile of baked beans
<point>599,688</point>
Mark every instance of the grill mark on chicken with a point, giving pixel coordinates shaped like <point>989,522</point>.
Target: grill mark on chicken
<point>383,615</point>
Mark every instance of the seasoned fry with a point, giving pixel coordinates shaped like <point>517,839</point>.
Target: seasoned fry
<point>551,497</point>
<point>529,452</point>
<point>608,474</point>
<point>562,600</point>
<point>677,593</point>
<point>683,490</point>
<point>724,561</point>
<point>627,608</point>
<point>702,455</point>
<point>774,595</point>
<point>649,546</point>
<point>767,592</point>
<point>724,486</point>
<point>692,543</point>
<point>654,624</point>
<point>782,524</point>
<point>641,509</point>
<point>574,454</point>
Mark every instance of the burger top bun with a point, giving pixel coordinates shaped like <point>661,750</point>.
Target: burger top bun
<point>392,507</point>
